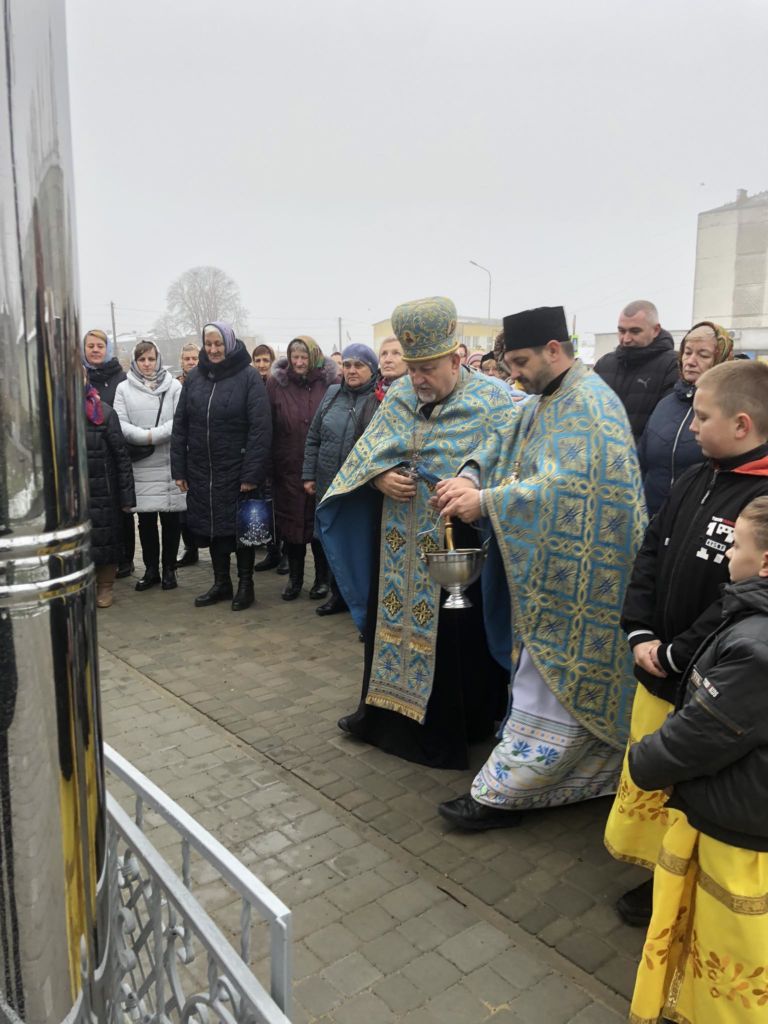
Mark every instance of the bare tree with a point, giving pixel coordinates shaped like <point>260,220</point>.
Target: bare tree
<point>199,296</point>
<point>166,328</point>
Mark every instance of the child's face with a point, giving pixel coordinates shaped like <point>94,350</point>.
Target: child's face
<point>745,558</point>
<point>718,434</point>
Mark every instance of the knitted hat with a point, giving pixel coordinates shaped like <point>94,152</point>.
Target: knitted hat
<point>363,354</point>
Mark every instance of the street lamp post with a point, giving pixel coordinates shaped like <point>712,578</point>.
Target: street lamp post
<point>480,267</point>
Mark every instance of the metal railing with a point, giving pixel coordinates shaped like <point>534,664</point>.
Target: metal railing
<point>159,923</point>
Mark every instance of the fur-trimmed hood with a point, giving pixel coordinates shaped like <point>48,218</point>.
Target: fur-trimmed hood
<point>284,375</point>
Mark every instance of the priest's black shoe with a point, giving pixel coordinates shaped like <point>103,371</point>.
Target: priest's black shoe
<point>635,906</point>
<point>169,580</point>
<point>124,570</point>
<point>333,605</point>
<point>466,812</point>
<point>149,579</point>
<point>346,724</point>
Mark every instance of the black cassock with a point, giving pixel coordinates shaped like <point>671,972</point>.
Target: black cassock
<point>469,690</point>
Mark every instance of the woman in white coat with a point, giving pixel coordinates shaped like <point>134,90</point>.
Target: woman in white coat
<point>145,403</point>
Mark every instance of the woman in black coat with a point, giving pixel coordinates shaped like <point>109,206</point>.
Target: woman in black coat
<point>220,449</point>
<point>105,373</point>
<point>111,489</point>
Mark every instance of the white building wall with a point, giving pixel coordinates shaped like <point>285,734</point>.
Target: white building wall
<point>731,277</point>
<point>715,267</point>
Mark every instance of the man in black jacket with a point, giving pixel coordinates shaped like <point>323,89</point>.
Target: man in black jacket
<point>643,368</point>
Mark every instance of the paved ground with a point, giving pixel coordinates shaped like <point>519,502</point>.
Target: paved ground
<point>396,918</point>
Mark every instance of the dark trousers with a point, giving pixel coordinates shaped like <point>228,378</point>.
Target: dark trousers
<point>190,541</point>
<point>129,537</point>
<point>150,541</point>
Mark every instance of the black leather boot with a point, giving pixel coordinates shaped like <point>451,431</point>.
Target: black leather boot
<point>335,602</point>
<point>319,588</point>
<point>169,578</point>
<point>296,555</point>
<point>270,560</point>
<point>151,578</point>
<point>190,557</point>
<point>222,584</point>
<point>244,597</point>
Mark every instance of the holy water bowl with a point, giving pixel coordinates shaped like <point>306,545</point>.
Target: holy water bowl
<point>455,571</point>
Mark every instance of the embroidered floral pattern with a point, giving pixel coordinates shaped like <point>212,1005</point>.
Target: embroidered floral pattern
<point>428,544</point>
<point>392,603</point>
<point>547,755</point>
<point>637,803</point>
<point>658,948</point>
<point>394,539</point>
<point>521,749</point>
<point>422,613</point>
<point>730,980</point>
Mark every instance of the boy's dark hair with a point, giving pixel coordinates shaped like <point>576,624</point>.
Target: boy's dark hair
<point>740,386</point>
<point>756,513</point>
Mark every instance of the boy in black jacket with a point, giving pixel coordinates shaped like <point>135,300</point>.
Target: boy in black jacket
<point>673,601</point>
<point>710,880</point>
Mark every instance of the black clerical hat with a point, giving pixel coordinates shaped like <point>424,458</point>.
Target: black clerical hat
<point>535,327</point>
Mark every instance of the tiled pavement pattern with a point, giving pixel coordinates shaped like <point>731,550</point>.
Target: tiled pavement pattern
<point>396,918</point>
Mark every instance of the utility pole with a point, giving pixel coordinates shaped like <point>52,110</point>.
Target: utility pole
<point>480,267</point>
<point>341,346</point>
<point>114,329</point>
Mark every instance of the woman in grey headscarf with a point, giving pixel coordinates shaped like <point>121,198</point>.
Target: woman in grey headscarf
<point>145,404</point>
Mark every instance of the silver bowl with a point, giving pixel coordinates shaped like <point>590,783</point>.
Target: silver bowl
<point>455,571</point>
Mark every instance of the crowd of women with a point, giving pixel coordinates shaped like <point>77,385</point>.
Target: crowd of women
<point>182,452</point>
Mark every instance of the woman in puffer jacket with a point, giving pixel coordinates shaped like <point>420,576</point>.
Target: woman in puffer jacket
<point>667,447</point>
<point>333,432</point>
<point>111,490</point>
<point>221,451</point>
<point>145,404</point>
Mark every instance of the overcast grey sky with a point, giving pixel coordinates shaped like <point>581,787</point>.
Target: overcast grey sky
<point>338,157</point>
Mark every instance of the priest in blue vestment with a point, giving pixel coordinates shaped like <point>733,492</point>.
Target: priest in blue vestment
<point>563,499</point>
<point>430,685</point>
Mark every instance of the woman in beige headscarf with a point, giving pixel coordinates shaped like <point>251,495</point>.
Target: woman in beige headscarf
<point>667,447</point>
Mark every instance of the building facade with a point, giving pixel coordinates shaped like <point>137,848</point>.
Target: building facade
<point>477,333</point>
<point>731,280</point>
